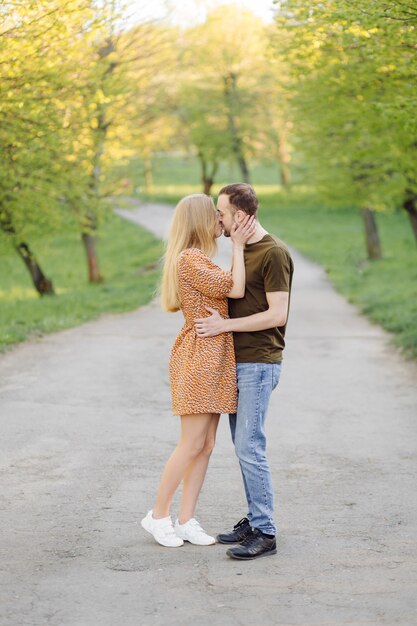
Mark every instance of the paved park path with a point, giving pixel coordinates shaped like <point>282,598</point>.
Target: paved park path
<point>85,430</point>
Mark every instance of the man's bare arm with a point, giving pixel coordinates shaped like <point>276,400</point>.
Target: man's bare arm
<point>275,315</point>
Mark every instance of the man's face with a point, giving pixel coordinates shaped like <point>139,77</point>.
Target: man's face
<point>225,214</point>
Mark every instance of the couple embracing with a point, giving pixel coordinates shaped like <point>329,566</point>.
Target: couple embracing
<point>226,359</point>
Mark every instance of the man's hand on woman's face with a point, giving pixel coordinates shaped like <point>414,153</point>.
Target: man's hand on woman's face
<point>210,326</point>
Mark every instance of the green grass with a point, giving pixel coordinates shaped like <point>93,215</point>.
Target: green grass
<point>178,176</point>
<point>386,290</point>
<point>128,258</point>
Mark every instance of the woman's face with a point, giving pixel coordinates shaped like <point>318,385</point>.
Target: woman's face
<point>218,228</point>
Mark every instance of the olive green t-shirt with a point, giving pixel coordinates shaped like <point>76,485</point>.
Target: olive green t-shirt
<point>269,267</point>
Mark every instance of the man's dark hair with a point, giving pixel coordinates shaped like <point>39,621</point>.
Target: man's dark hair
<point>242,196</point>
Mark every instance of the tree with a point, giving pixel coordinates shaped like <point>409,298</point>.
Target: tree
<point>199,105</point>
<point>221,62</point>
<point>351,69</point>
<point>39,45</point>
<point>114,113</point>
<point>147,121</point>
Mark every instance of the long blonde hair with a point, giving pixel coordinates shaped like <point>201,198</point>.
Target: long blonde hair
<point>193,225</point>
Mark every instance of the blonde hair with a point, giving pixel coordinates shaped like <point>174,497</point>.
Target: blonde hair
<point>193,225</point>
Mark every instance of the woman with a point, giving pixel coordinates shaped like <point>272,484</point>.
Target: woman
<point>202,371</point>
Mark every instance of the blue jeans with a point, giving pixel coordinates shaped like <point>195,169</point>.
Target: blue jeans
<point>255,383</point>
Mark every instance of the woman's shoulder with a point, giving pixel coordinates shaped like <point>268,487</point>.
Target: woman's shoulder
<point>197,251</point>
<point>193,253</point>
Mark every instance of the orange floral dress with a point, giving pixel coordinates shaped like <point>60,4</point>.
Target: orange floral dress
<point>202,370</point>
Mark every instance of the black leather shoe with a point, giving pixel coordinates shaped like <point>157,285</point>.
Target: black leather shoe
<point>240,531</point>
<point>255,545</point>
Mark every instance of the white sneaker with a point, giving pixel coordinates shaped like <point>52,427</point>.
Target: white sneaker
<point>162,530</point>
<point>191,531</point>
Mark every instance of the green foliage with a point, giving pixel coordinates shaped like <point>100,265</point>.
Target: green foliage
<point>43,54</point>
<point>130,259</point>
<point>227,89</point>
<point>88,106</point>
<point>76,98</point>
<point>353,68</point>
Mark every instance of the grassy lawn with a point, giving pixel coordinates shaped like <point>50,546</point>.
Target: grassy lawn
<point>174,177</point>
<point>128,258</point>
<point>386,290</point>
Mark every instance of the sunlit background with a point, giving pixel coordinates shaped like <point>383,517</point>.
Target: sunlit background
<point>111,104</point>
<point>189,12</point>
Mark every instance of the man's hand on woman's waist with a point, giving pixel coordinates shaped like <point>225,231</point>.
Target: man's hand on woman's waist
<point>274,316</point>
<point>210,326</point>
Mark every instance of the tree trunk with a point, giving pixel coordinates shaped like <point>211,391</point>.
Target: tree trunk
<point>207,178</point>
<point>89,242</point>
<point>284,174</point>
<point>283,156</point>
<point>231,96</point>
<point>242,164</point>
<point>89,219</point>
<point>207,185</point>
<point>373,243</point>
<point>42,284</point>
<point>410,205</point>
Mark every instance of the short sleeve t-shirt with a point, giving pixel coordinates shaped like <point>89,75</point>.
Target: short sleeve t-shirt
<point>269,267</point>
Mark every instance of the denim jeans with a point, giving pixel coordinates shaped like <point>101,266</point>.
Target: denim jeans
<point>255,383</point>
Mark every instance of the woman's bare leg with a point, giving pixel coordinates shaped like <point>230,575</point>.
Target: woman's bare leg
<point>193,436</point>
<point>195,473</point>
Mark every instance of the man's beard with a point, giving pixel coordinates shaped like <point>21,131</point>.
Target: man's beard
<point>226,233</point>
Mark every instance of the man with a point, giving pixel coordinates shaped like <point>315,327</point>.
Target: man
<point>258,322</point>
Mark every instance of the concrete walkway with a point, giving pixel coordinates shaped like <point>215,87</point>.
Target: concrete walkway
<point>86,427</point>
